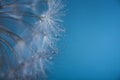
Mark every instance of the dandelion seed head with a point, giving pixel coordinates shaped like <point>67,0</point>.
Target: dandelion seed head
<point>38,43</point>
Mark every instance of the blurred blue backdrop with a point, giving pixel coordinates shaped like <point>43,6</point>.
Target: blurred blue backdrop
<point>90,49</point>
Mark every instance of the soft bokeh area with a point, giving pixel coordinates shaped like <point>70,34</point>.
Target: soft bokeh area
<point>90,49</point>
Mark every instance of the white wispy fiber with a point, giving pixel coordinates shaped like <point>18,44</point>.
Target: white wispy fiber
<point>39,41</point>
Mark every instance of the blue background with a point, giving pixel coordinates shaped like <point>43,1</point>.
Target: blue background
<point>90,49</point>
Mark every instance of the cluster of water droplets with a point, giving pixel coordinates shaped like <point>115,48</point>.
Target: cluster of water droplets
<point>35,44</point>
